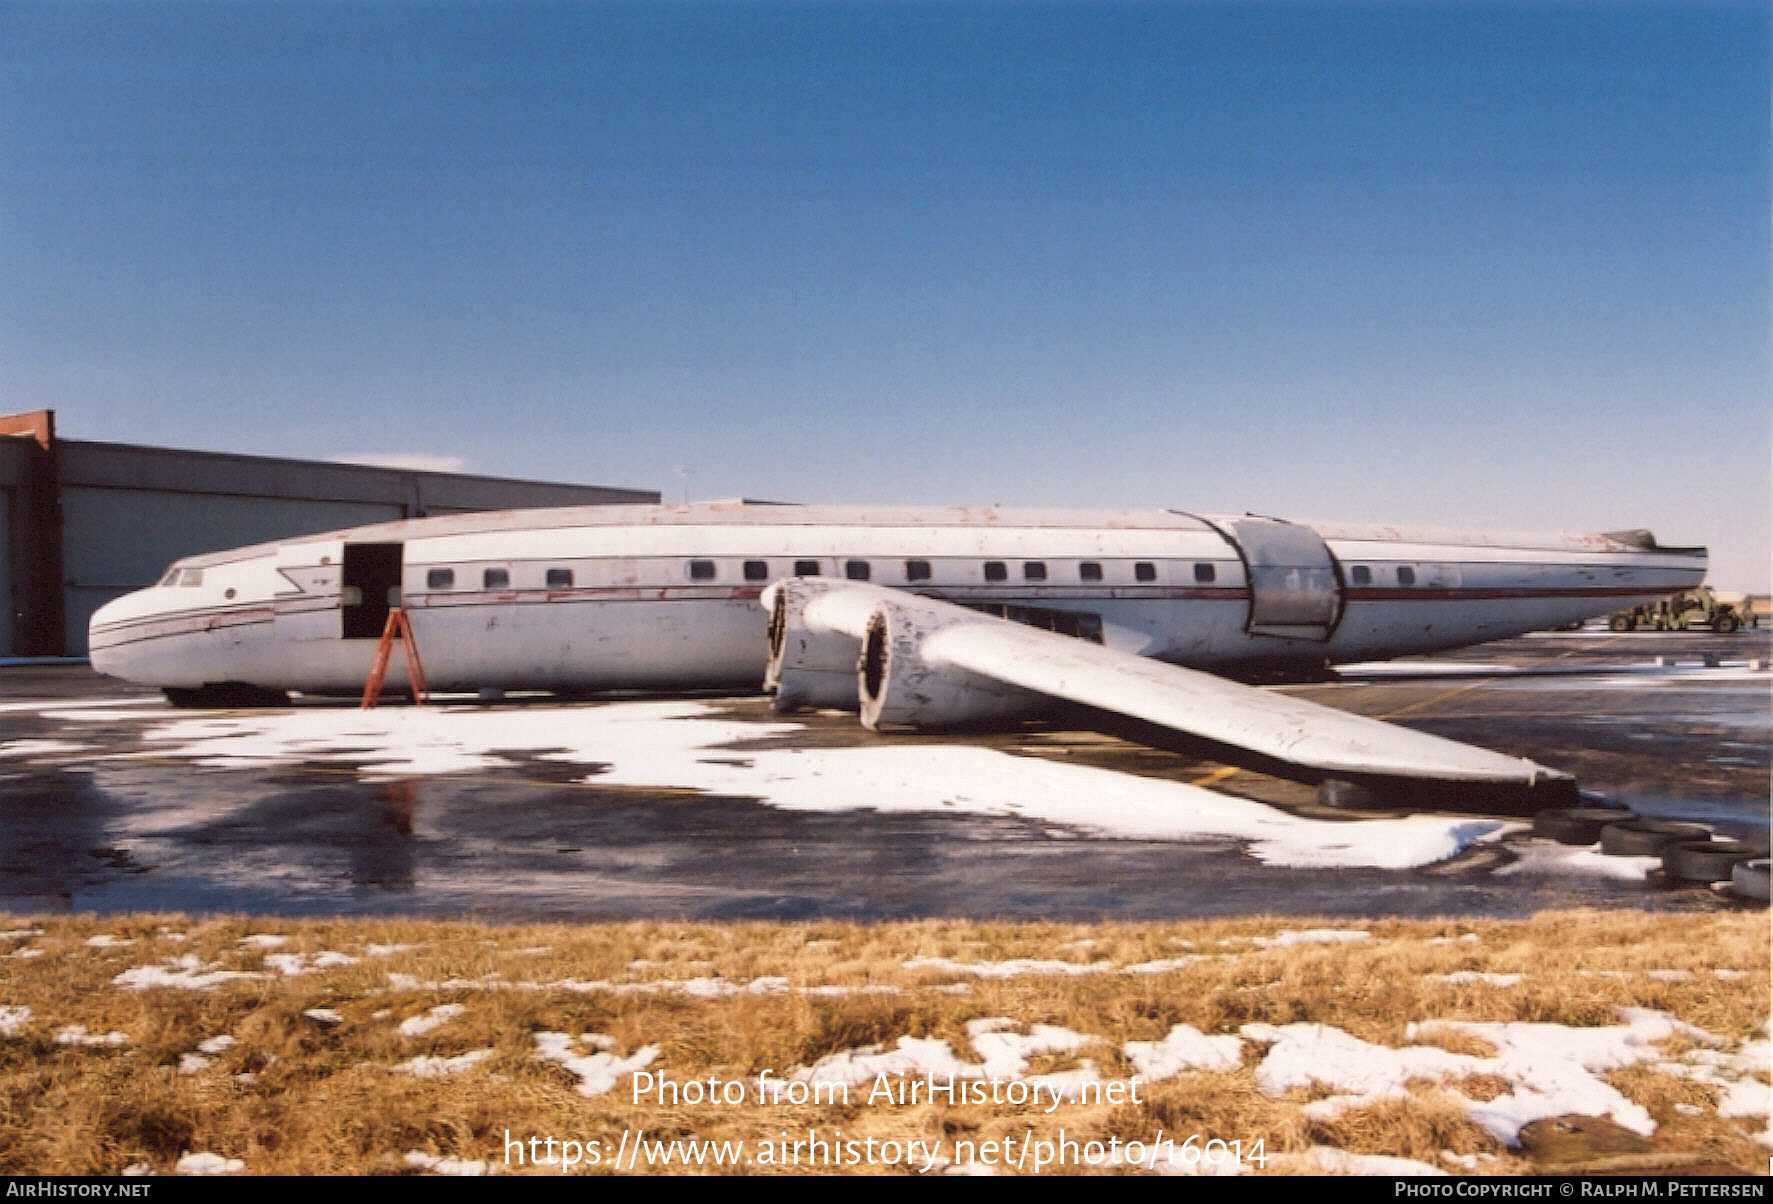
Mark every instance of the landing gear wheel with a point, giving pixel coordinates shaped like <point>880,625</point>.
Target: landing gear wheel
<point>1574,825</point>
<point>1648,837</point>
<point>1726,625</point>
<point>1620,623</point>
<point>1708,860</point>
<point>1749,879</point>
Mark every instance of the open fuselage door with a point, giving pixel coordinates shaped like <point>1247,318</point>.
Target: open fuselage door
<point>1295,588</point>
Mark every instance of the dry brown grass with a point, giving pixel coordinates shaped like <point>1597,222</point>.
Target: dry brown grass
<point>324,1099</point>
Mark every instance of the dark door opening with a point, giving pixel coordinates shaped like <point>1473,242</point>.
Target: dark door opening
<point>371,588</point>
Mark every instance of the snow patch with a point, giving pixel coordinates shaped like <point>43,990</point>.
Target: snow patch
<point>1545,857</point>
<point>185,973</point>
<point>1008,969</point>
<point>1555,1068</point>
<point>1185,1048</point>
<point>13,1020</point>
<point>1471,1162</point>
<point>291,965</point>
<point>701,988</point>
<point>1746,1097</point>
<point>1470,976</point>
<point>1311,936</point>
<point>76,1034</point>
<point>436,1018</point>
<point>597,1072</point>
<point>1165,965</point>
<point>1002,1052</point>
<point>431,1067</point>
<point>438,1165</point>
<point>205,1163</point>
<point>204,1057</point>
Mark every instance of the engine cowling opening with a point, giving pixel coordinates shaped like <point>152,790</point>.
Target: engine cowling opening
<point>874,659</point>
<point>810,665</point>
<point>901,687</point>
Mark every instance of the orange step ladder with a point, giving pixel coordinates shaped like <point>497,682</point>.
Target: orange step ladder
<point>397,626</point>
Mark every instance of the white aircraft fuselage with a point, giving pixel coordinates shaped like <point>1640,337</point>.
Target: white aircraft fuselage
<point>622,597</point>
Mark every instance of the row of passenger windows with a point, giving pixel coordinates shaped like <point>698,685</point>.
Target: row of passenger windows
<point>854,570</point>
<point>921,570</point>
<point>1360,574</point>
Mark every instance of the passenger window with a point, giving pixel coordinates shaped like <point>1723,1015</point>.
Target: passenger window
<point>917,570</point>
<point>495,579</point>
<point>440,579</point>
<point>1361,575</point>
<point>1406,575</point>
<point>1205,573</point>
<point>757,570</point>
<point>701,570</point>
<point>1034,570</point>
<point>1144,570</point>
<point>1089,570</point>
<point>994,571</point>
<point>560,578</point>
<point>856,570</point>
<point>806,568</point>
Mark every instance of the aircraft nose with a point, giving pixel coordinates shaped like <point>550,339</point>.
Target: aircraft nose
<point>108,654</point>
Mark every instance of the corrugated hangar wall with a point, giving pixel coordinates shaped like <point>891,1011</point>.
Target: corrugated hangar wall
<point>124,512</point>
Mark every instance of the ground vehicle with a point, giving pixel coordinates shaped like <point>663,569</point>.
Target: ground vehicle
<point>1699,609</point>
<point>1756,610</point>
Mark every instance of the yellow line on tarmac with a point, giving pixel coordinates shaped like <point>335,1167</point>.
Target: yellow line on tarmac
<point>1458,690</point>
<point>1218,775</point>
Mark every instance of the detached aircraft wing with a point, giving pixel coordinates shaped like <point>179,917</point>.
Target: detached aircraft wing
<point>942,654</point>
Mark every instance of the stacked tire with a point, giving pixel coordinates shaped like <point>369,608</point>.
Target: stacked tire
<point>1690,853</point>
<point>1749,879</point>
<point>1648,837</point>
<point>1576,825</point>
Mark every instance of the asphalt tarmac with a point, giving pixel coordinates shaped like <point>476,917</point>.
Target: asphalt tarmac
<point>99,816</point>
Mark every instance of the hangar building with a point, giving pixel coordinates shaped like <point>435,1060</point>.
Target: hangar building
<point>84,522</point>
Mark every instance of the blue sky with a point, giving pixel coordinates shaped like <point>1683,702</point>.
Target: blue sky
<point>1487,265</point>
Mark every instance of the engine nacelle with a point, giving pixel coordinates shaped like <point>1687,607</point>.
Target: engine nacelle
<point>810,666</point>
<point>903,681</point>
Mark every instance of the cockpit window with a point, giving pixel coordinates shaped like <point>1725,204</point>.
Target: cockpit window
<point>170,579</point>
<point>190,577</point>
